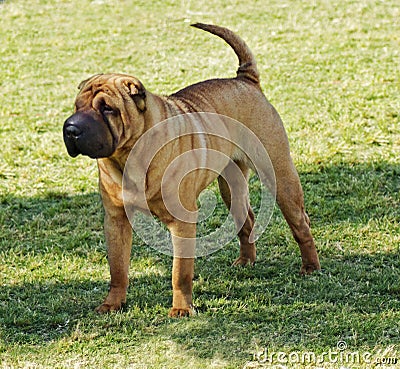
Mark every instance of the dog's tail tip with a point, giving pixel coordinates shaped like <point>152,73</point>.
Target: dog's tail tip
<point>247,62</point>
<point>199,25</point>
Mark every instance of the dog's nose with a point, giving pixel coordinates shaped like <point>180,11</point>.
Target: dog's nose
<point>72,131</point>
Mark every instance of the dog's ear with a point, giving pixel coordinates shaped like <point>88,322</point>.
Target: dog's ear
<point>83,83</point>
<point>137,92</point>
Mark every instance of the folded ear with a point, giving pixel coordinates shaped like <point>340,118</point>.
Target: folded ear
<point>137,92</point>
<point>83,83</point>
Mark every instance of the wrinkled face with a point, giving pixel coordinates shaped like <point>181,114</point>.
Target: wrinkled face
<point>106,110</point>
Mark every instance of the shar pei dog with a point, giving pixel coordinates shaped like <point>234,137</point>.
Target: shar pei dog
<point>114,111</point>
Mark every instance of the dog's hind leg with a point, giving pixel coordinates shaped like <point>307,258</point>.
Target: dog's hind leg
<point>291,202</point>
<point>235,193</point>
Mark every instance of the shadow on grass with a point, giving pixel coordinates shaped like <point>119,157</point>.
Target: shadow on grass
<point>352,192</point>
<point>355,298</point>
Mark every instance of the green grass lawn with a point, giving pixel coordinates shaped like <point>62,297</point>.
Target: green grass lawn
<point>331,68</point>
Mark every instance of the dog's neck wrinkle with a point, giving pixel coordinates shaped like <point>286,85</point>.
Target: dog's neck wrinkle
<point>157,112</point>
<point>165,106</point>
<point>117,160</point>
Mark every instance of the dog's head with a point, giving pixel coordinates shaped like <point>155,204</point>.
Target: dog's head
<point>109,112</point>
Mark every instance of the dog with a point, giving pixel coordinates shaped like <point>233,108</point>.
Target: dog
<point>112,113</point>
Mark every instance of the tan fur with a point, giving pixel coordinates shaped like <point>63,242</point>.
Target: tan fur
<point>239,98</point>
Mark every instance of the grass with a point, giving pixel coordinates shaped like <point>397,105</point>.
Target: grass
<point>331,68</point>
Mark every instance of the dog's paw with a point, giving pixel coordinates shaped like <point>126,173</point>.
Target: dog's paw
<point>181,312</point>
<point>309,269</point>
<point>108,308</point>
<point>243,261</point>
<point>114,301</point>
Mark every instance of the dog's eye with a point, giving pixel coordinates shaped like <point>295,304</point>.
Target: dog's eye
<point>106,109</point>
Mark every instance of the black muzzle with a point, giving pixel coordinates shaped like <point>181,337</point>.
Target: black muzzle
<point>86,135</point>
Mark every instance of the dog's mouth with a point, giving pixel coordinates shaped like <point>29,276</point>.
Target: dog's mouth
<point>77,144</point>
<point>85,135</point>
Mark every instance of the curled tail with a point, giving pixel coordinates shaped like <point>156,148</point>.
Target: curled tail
<point>247,63</point>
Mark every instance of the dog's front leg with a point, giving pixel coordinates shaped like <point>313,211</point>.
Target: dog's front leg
<point>184,242</point>
<point>118,233</point>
